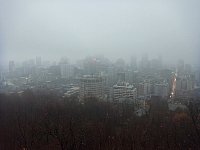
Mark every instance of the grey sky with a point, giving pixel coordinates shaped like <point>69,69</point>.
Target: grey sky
<point>56,28</point>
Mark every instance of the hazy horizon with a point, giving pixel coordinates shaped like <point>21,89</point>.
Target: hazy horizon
<point>115,29</point>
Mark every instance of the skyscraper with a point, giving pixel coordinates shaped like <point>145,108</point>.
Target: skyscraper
<point>11,66</point>
<point>66,70</point>
<point>180,67</point>
<point>38,61</point>
<point>133,63</point>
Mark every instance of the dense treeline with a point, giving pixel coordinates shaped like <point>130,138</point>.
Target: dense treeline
<point>46,122</point>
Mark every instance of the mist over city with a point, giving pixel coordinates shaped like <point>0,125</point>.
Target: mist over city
<point>76,29</point>
<point>107,75</point>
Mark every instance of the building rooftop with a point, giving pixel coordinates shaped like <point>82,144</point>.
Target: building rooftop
<point>123,85</point>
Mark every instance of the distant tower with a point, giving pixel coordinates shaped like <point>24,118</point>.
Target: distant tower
<point>188,68</point>
<point>1,76</point>
<point>144,64</point>
<point>160,61</point>
<point>66,69</point>
<point>180,67</point>
<point>38,61</point>
<point>133,63</point>
<point>11,66</point>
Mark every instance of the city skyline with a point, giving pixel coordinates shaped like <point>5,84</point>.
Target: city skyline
<point>106,75</point>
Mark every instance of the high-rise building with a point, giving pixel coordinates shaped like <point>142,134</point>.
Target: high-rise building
<point>188,69</point>
<point>184,84</point>
<point>178,84</point>
<point>190,83</point>
<point>1,76</point>
<point>91,86</point>
<point>180,67</point>
<point>197,76</point>
<point>144,64</point>
<point>66,70</point>
<point>156,64</point>
<point>133,63</point>
<point>38,61</point>
<point>123,90</point>
<point>11,66</point>
<point>144,89</point>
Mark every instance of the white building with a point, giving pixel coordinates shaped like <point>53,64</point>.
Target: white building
<point>124,90</point>
<point>72,91</point>
<point>91,86</point>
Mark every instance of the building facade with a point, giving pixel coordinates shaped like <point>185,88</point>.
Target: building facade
<point>66,71</point>
<point>124,90</point>
<point>91,86</point>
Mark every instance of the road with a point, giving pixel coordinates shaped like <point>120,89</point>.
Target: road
<point>172,94</point>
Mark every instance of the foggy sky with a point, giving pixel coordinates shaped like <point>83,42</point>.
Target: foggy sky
<point>75,29</point>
